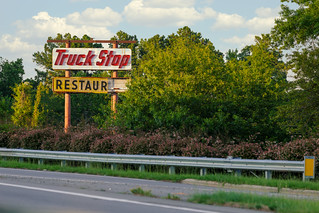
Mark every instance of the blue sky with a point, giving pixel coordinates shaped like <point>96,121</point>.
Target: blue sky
<point>229,24</point>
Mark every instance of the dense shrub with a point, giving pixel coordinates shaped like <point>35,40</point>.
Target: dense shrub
<point>15,138</point>
<point>156,143</point>
<point>33,139</point>
<point>59,142</point>
<point>271,151</point>
<point>4,139</point>
<point>102,145</point>
<point>245,150</point>
<point>298,148</point>
<point>82,140</point>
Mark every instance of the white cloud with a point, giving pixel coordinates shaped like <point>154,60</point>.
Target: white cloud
<point>241,41</point>
<point>95,17</point>
<point>262,23</point>
<point>43,25</point>
<point>267,12</point>
<point>174,13</point>
<point>264,20</point>
<point>15,44</point>
<point>227,21</point>
<point>32,33</point>
<point>13,47</point>
<point>168,3</point>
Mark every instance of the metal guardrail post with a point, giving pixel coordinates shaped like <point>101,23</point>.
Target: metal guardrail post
<point>203,171</point>
<point>141,168</point>
<point>237,173</point>
<point>21,160</point>
<point>113,166</point>
<point>63,163</point>
<point>40,162</point>
<point>268,175</point>
<point>171,170</point>
<point>87,164</point>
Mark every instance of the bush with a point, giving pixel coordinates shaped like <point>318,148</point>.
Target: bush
<point>81,140</point>
<point>15,141</point>
<point>4,139</point>
<point>156,143</point>
<point>245,150</point>
<point>33,139</point>
<point>103,145</point>
<point>59,142</point>
<point>298,148</point>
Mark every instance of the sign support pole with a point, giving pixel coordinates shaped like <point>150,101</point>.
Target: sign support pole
<point>114,96</point>
<point>67,100</point>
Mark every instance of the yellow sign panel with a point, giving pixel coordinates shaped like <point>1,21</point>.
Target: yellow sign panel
<point>309,166</point>
<point>80,85</point>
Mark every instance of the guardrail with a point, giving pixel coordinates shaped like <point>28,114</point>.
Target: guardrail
<point>307,167</point>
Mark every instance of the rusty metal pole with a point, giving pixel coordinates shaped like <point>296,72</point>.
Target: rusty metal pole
<point>114,96</point>
<point>67,100</point>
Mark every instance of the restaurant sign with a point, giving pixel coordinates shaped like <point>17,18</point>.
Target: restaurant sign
<point>89,85</point>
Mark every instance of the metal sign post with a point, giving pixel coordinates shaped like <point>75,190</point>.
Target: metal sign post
<point>67,99</point>
<point>114,95</point>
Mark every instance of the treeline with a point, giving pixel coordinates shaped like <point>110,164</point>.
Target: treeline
<point>181,83</point>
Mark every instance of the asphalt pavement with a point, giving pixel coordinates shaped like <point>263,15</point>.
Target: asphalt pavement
<point>27,191</point>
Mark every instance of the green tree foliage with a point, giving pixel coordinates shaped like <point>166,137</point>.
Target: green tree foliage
<point>5,108</point>
<point>177,79</point>
<point>297,26</point>
<point>11,73</point>
<point>256,87</point>
<point>183,84</point>
<point>297,30</point>
<point>23,105</point>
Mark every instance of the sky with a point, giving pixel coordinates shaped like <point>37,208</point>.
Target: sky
<point>229,24</point>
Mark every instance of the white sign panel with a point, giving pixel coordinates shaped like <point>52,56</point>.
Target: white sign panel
<point>91,59</point>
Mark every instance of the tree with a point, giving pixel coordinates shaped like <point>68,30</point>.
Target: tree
<point>297,26</point>
<point>23,105</point>
<point>297,30</point>
<point>176,81</point>
<point>256,87</point>
<point>10,74</point>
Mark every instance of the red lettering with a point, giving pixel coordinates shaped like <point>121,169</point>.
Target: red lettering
<point>102,56</point>
<point>78,60</point>
<point>116,60</point>
<point>89,57</point>
<point>59,56</point>
<point>109,56</point>
<point>125,60</point>
<point>64,56</point>
<point>71,59</point>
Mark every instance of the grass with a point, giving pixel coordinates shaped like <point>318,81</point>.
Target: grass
<point>258,202</point>
<point>223,178</point>
<point>141,192</point>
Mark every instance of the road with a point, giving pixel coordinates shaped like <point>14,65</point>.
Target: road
<point>26,191</point>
